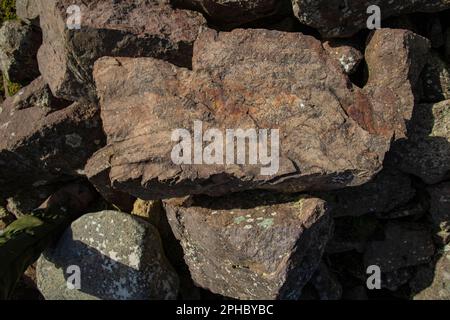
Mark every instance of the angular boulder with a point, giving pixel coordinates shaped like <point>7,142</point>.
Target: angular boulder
<point>41,142</point>
<point>251,246</point>
<point>129,28</point>
<point>117,256</point>
<point>395,60</point>
<point>330,134</point>
<point>19,44</point>
<point>345,18</point>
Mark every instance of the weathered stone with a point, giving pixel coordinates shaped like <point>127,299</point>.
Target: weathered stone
<point>348,56</point>
<point>232,13</point>
<point>38,147</point>
<point>389,190</point>
<point>439,276</point>
<point>37,94</point>
<point>331,136</point>
<point>345,18</point>
<point>440,211</point>
<point>28,10</point>
<point>426,152</point>
<point>119,258</point>
<point>97,170</point>
<point>19,44</point>
<point>125,28</point>
<point>395,59</point>
<point>405,245</point>
<point>436,80</point>
<point>251,245</point>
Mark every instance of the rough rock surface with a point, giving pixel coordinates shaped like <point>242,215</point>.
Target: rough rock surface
<point>39,146</point>
<point>439,289</point>
<point>19,44</point>
<point>436,79</point>
<point>345,18</point>
<point>251,246</point>
<point>125,28</point>
<point>348,56</point>
<point>231,13</point>
<point>119,257</point>
<point>440,211</point>
<point>28,10</point>
<point>331,136</point>
<point>389,190</point>
<point>395,60</point>
<point>404,245</point>
<point>97,170</point>
<point>426,152</point>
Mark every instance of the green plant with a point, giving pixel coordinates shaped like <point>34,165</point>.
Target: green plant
<point>7,10</point>
<point>13,88</point>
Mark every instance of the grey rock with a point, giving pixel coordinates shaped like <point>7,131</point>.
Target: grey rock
<point>19,44</point>
<point>251,246</point>
<point>119,258</point>
<point>28,10</point>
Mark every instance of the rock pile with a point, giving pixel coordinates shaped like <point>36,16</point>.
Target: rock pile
<point>165,105</point>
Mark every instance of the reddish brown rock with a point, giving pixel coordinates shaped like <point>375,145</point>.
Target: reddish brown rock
<point>395,59</point>
<point>97,171</point>
<point>331,136</point>
<point>129,28</point>
<point>251,246</point>
<point>40,144</point>
<point>345,18</point>
<point>348,56</point>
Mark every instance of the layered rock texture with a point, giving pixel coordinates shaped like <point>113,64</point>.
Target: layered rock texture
<point>239,149</point>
